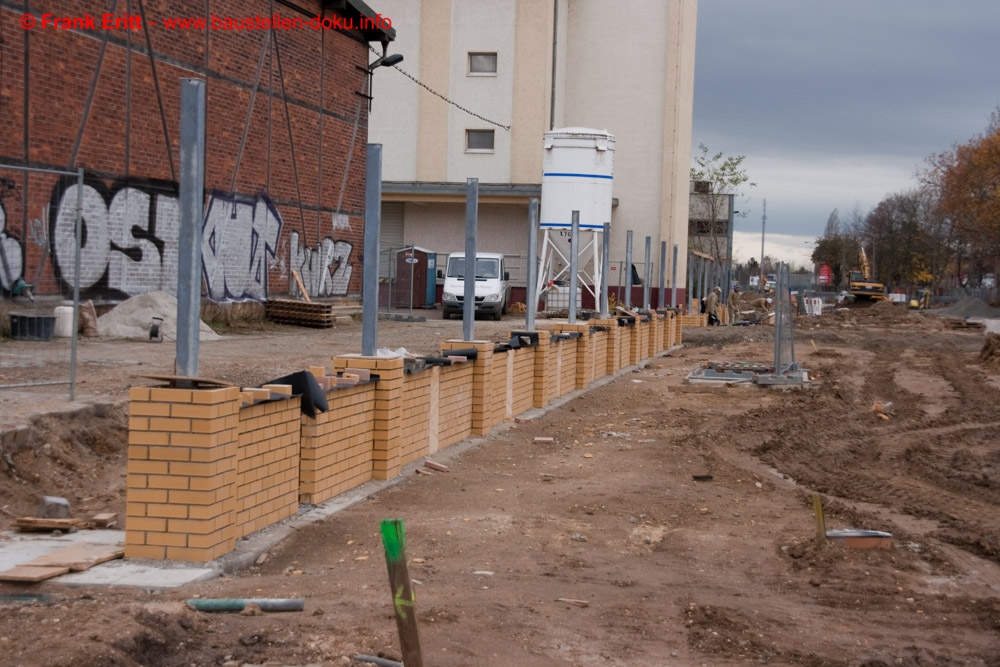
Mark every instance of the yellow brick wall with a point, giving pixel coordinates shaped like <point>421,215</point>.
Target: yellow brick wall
<point>567,365</point>
<point>523,393</point>
<point>655,337</point>
<point>482,385</point>
<point>455,404</point>
<point>267,464</point>
<point>415,424</point>
<point>181,474</point>
<point>500,379</point>
<point>625,346</point>
<point>388,409</point>
<point>337,445</point>
<point>600,352</point>
<point>542,373</point>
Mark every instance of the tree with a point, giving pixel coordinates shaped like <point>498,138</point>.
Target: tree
<point>718,180</point>
<point>969,195</point>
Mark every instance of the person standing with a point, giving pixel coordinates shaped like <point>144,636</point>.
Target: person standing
<point>734,304</point>
<point>712,307</point>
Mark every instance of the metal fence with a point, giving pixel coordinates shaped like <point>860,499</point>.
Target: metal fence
<point>38,344</point>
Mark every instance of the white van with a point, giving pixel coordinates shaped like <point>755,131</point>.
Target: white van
<point>492,284</point>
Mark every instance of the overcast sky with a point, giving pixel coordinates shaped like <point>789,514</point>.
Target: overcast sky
<point>837,103</point>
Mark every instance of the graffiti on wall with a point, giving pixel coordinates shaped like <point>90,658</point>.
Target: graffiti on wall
<point>11,255</point>
<point>130,237</point>
<point>326,270</point>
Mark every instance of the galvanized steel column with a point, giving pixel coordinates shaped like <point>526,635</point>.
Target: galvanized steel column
<point>531,298</point>
<point>574,260</point>
<point>469,297</point>
<point>373,224</point>
<point>191,214</point>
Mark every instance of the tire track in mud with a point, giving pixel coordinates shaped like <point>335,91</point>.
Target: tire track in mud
<point>943,468</point>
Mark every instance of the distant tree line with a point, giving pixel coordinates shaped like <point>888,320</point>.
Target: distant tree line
<point>944,233</point>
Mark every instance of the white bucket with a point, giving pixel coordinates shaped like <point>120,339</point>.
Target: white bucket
<point>64,322</point>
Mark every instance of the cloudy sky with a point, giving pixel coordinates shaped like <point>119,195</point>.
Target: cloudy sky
<point>836,103</point>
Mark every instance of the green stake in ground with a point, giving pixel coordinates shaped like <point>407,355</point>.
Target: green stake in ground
<point>394,543</point>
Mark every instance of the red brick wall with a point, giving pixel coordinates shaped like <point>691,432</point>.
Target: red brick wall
<point>271,221</point>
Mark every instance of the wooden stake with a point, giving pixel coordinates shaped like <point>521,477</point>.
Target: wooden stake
<point>820,522</point>
<point>298,281</point>
<point>394,543</point>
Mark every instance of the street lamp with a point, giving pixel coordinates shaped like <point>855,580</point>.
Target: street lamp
<point>384,60</point>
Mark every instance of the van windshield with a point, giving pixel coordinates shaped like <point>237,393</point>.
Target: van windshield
<point>488,267</point>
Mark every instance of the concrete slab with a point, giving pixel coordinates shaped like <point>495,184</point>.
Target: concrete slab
<point>149,575</point>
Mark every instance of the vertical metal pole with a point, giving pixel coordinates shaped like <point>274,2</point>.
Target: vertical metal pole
<point>689,289</point>
<point>605,267</point>
<point>574,261</point>
<point>704,278</point>
<point>673,280</point>
<point>373,225</point>
<point>531,295</point>
<point>729,252</point>
<point>469,297</point>
<point>647,274</point>
<point>192,216</point>
<point>411,260</point>
<point>628,270</point>
<point>76,283</point>
<point>663,273</point>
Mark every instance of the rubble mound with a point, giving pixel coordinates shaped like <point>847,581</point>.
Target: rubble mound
<point>132,318</point>
<point>990,353</point>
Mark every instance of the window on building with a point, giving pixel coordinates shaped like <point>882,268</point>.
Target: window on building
<point>482,64</point>
<point>479,141</point>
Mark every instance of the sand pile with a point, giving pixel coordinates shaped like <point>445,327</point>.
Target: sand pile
<point>131,318</point>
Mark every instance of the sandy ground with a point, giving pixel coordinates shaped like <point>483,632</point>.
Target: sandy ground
<point>666,570</point>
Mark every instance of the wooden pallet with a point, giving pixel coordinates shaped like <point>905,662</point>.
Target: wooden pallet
<point>300,313</point>
<point>956,323</point>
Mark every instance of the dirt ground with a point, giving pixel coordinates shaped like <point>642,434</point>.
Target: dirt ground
<point>898,434</point>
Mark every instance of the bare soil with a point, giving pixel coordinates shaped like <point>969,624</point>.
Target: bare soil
<point>898,434</point>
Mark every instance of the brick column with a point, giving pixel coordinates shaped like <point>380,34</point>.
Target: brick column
<point>614,331</point>
<point>482,387</point>
<point>181,496</point>
<point>655,334</point>
<point>388,409</point>
<point>584,353</point>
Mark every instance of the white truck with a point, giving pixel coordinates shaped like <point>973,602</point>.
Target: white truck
<point>492,285</point>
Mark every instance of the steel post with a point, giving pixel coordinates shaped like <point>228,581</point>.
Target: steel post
<point>647,274</point>
<point>469,296</point>
<point>574,261</point>
<point>191,213</point>
<point>605,267</point>
<point>628,270</point>
<point>531,295</point>
<point>373,225</point>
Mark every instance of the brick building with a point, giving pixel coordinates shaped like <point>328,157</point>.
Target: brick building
<point>97,85</point>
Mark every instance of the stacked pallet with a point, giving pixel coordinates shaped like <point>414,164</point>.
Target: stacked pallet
<point>300,313</point>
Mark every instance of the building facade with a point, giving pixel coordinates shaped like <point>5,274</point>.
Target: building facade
<point>286,128</point>
<point>524,67</point>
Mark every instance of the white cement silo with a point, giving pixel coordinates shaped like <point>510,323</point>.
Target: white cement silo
<point>577,175</point>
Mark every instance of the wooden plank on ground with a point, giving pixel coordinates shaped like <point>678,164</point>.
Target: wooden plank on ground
<point>81,556</point>
<point>31,573</point>
<point>38,523</point>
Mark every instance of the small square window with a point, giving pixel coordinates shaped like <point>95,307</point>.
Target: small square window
<point>479,140</point>
<point>482,64</point>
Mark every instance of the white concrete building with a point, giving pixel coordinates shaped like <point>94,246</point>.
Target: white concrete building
<point>531,66</point>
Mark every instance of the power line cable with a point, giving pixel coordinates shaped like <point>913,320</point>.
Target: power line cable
<point>443,97</point>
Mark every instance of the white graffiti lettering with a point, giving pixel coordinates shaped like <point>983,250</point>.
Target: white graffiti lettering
<point>130,243</point>
<point>11,255</point>
<point>314,266</point>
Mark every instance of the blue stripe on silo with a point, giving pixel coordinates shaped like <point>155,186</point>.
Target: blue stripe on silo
<point>577,175</point>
